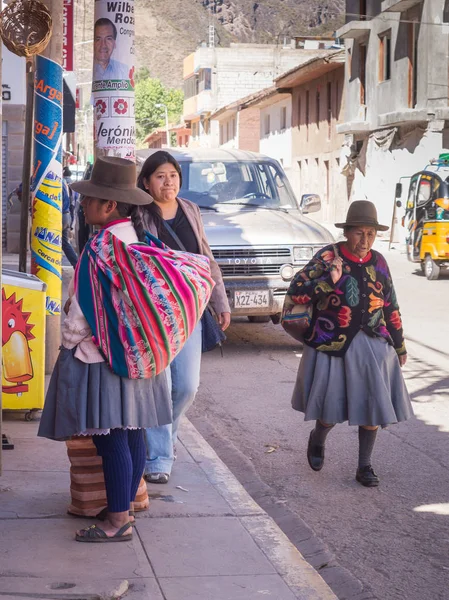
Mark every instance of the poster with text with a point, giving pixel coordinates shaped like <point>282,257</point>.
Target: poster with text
<point>46,188</point>
<point>113,78</point>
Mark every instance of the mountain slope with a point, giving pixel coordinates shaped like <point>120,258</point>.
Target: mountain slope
<point>166,32</point>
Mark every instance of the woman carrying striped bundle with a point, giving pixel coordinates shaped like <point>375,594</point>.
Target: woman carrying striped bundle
<point>133,303</point>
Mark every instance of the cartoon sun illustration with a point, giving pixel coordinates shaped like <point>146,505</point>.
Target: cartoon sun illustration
<point>16,333</point>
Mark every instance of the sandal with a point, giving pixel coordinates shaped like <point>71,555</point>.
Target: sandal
<point>95,534</point>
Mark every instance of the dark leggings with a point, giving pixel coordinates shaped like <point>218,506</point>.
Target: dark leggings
<point>123,452</point>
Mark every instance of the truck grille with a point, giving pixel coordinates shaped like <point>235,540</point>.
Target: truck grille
<point>222,253</point>
<point>252,262</point>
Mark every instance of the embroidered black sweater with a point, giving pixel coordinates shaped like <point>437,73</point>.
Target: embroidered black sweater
<point>363,299</point>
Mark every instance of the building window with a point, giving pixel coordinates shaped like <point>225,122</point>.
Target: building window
<point>267,125</point>
<point>227,131</point>
<point>206,126</point>
<point>221,134</point>
<point>307,112</point>
<point>413,64</point>
<point>362,73</point>
<point>329,109</point>
<point>234,128</point>
<point>205,80</point>
<point>299,110</point>
<point>318,106</point>
<point>362,10</point>
<point>195,130</point>
<point>283,118</point>
<point>385,56</point>
<point>191,87</point>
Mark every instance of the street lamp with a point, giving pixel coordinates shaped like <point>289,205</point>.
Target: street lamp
<point>167,132</point>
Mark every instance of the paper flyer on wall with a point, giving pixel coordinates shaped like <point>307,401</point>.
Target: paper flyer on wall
<point>113,78</point>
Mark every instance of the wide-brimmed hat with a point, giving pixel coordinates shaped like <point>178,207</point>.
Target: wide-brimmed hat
<point>113,178</point>
<point>362,213</point>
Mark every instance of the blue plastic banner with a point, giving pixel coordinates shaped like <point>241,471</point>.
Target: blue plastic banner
<point>46,228</point>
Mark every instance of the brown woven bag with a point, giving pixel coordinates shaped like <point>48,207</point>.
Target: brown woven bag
<point>87,487</point>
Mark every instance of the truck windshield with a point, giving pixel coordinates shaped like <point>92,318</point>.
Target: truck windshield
<point>210,184</point>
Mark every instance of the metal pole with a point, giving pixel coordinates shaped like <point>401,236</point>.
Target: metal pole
<point>26,169</point>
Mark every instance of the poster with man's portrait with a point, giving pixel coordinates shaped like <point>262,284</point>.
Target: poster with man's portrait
<point>113,77</point>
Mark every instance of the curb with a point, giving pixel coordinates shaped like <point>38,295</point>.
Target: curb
<point>302,579</point>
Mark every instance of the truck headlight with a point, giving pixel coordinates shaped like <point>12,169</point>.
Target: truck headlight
<point>287,272</point>
<point>302,253</point>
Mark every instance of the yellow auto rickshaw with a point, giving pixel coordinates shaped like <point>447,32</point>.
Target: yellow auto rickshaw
<point>427,218</point>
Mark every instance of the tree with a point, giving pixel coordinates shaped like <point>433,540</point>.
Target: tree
<point>148,93</point>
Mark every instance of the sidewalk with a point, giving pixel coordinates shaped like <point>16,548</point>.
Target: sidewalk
<point>203,538</point>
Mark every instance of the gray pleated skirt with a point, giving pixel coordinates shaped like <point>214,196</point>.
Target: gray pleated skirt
<point>365,387</point>
<point>85,396</point>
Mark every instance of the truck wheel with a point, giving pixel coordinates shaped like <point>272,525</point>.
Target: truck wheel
<point>259,319</point>
<point>431,269</point>
<point>276,318</point>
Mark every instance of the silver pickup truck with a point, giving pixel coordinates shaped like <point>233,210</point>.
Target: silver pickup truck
<point>255,225</point>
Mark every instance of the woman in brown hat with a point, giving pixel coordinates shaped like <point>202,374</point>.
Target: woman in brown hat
<point>109,380</point>
<point>354,347</point>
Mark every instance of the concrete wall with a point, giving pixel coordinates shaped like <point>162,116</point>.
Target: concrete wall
<point>317,147</point>
<point>246,68</point>
<point>14,120</point>
<point>277,143</point>
<point>248,127</point>
<point>382,164</point>
<point>392,96</point>
<point>373,8</point>
<point>237,72</point>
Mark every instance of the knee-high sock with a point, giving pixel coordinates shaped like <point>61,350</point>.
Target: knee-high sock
<point>137,448</point>
<point>320,433</point>
<point>367,439</point>
<point>117,468</point>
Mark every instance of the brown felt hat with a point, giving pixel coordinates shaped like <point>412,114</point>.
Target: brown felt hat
<point>362,213</point>
<point>113,178</point>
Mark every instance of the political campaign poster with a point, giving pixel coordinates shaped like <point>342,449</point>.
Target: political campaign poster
<point>113,78</point>
<point>46,186</point>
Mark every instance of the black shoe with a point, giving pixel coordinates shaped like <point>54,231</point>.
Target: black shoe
<point>315,454</point>
<point>367,477</point>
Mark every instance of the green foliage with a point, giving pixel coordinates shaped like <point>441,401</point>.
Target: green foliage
<point>150,92</point>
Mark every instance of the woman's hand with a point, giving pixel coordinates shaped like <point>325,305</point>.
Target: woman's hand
<point>336,269</point>
<point>402,359</point>
<point>224,320</point>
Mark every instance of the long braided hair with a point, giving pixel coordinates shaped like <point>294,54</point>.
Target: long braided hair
<point>131,210</point>
<point>152,163</point>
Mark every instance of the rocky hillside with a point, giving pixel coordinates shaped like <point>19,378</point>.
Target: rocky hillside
<point>167,31</point>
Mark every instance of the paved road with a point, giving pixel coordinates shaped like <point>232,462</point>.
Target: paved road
<point>389,543</point>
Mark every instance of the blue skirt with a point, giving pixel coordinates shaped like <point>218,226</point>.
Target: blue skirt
<point>364,387</point>
<point>85,396</point>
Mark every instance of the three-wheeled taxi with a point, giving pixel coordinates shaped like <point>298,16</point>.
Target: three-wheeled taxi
<point>427,217</point>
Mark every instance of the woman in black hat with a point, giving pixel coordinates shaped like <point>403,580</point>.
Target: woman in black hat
<point>354,347</point>
<point>121,331</point>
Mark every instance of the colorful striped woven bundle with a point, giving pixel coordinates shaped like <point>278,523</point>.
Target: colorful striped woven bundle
<point>142,301</point>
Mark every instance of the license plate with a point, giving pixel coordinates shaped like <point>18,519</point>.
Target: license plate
<point>252,299</point>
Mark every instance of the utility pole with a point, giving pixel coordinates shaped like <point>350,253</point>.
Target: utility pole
<point>53,321</point>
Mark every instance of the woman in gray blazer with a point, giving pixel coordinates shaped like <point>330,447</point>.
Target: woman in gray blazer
<point>161,177</point>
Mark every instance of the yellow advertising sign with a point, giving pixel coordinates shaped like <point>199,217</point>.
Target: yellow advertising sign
<point>23,341</point>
